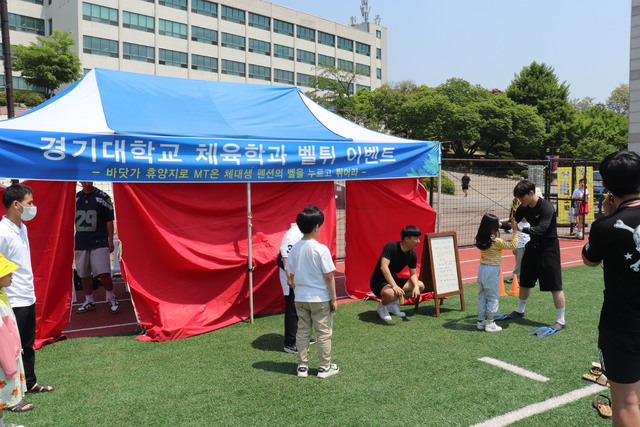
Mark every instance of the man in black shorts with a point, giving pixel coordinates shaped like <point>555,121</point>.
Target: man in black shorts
<point>465,184</point>
<point>541,259</point>
<point>385,283</point>
<point>615,239</point>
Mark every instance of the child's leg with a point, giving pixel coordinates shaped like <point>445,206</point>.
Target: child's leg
<point>492,292</point>
<point>323,323</point>
<point>482,298</point>
<point>303,335</point>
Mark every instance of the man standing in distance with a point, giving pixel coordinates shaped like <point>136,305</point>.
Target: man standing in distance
<point>94,243</point>
<point>541,259</point>
<point>385,283</point>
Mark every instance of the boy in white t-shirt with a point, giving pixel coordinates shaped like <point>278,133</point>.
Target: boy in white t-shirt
<point>311,274</point>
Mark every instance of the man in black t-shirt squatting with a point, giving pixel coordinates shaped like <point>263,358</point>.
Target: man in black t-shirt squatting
<point>615,240</point>
<point>541,259</point>
<point>385,283</point>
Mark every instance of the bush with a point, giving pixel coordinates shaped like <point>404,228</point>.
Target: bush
<point>525,173</point>
<point>448,187</point>
<point>26,97</point>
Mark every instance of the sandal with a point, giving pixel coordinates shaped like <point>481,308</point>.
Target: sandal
<point>603,405</point>
<point>596,365</point>
<point>599,379</point>
<point>40,388</point>
<point>596,371</point>
<point>22,406</point>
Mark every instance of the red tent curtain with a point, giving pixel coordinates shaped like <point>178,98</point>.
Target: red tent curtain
<point>184,249</point>
<point>377,210</point>
<point>51,241</point>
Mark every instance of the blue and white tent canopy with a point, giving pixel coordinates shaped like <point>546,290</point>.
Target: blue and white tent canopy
<point>128,127</point>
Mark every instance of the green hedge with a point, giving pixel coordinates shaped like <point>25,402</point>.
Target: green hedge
<point>26,97</point>
<point>448,187</point>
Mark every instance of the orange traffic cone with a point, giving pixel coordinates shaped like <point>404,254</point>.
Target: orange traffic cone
<point>502,292</point>
<point>515,288</point>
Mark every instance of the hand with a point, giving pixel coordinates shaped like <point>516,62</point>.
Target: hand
<point>333,306</point>
<point>111,247</point>
<point>398,291</point>
<point>415,293</point>
<point>514,224</point>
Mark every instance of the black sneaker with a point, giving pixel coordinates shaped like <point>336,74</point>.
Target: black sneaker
<point>87,306</point>
<point>291,349</point>
<point>516,315</point>
<point>313,341</point>
<point>557,326</point>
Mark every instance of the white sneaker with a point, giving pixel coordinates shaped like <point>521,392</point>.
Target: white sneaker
<point>481,325</point>
<point>492,327</point>
<point>394,308</point>
<point>579,235</point>
<point>327,372</point>
<point>383,312</point>
<point>302,371</point>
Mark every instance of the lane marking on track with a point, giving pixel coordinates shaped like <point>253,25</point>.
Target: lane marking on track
<point>513,368</point>
<point>538,408</point>
<point>99,327</point>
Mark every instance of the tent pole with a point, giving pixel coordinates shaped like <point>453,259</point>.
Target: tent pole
<point>250,252</point>
<point>439,190</point>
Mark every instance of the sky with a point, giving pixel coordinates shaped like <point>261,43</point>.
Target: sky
<point>487,42</point>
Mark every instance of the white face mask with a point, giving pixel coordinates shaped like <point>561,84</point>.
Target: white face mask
<point>28,212</point>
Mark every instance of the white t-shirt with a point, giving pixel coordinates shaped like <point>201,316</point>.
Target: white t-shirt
<point>308,261</point>
<point>578,193</point>
<point>14,245</point>
<point>291,237</point>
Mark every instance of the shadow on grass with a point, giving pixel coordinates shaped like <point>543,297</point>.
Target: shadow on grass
<point>288,368</point>
<point>372,317</point>
<point>269,342</point>
<point>468,323</point>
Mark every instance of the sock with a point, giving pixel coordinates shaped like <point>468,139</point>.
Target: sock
<point>111,296</point>
<point>521,304</point>
<point>560,315</point>
<point>89,298</point>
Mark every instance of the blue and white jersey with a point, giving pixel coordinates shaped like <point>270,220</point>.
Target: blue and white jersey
<point>93,212</point>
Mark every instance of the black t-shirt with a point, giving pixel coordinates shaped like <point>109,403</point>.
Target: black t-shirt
<point>398,260</point>
<point>465,181</point>
<point>541,218</point>
<point>93,211</point>
<point>615,240</point>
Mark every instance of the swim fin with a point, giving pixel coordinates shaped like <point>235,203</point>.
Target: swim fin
<point>539,330</point>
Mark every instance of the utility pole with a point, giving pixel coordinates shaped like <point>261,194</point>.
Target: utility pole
<point>6,52</point>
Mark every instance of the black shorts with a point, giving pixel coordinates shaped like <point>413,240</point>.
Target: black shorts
<point>376,286</point>
<point>620,355</point>
<point>541,261</point>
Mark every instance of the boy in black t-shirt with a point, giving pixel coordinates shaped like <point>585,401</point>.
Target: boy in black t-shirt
<point>615,239</point>
<point>385,283</point>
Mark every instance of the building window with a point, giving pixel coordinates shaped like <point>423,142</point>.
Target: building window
<point>204,7</point>
<point>258,72</point>
<point>358,87</point>
<point>50,22</point>
<point>138,22</point>
<point>379,73</point>
<point>26,24</point>
<point>305,33</point>
<point>176,4</point>
<point>258,46</point>
<point>259,21</point>
<point>33,1</point>
<point>283,76</point>
<point>326,61</point>
<point>172,29</point>
<point>21,84</point>
<point>285,52</point>
<point>138,52</point>
<point>233,15</point>
<point>363,70</point>
<point>378,34</point>
<point>204,63</point>
<point>363,49</point>
<point>232,41</point>
<point>172,58</point>
<point>98,46</point>
<point>282,27</point>
<point>378,53</point>
<point>326,39</point>
<point>95,13</point>
<point>148,1</point>
<point>204,35</point>
<point>345,44</point>
<point>303,80</point>
<point>306,57</point>
<point>345,65</point>
<point>234,68</point>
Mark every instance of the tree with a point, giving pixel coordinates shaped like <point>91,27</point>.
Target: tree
<point>583,104</point>
<point>333,88</point>
<point>538,86</point>
<point>618,101</point>
<point>600,132</point>
<point>49,64</point>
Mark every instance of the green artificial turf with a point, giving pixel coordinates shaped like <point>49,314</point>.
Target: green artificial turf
<point>419,371</point>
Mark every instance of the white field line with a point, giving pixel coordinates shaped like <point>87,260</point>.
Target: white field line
<point>99,327</point>
<point>513,368</point>
<point>538,408</point>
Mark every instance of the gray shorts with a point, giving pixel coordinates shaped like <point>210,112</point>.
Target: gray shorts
<point>96,261</point>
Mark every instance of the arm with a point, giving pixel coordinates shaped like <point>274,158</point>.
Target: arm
<point>384,267</point>
<point>545,222</point>
<point>330,281</point>
<point>110,234</point>
<point>289,275</point>
<point>589,263</point>
<point>414,281</point>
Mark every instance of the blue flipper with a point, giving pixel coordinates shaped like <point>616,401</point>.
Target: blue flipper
<point>501,317</point>
<point>549,331</point>
<point>539,330</point>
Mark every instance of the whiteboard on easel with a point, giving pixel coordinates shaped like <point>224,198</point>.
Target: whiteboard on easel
<point>445,264</point>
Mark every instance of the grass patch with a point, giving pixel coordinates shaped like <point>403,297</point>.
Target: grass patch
<point>418,371</point>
